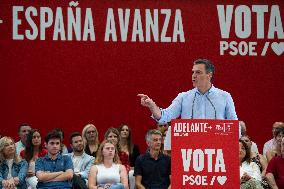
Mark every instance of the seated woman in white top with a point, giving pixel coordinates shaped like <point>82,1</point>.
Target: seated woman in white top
<point>107,171</point>
<point>250,174</point>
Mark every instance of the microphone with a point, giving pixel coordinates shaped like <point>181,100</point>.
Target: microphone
<point>212,106</point>
<point>215,112</point>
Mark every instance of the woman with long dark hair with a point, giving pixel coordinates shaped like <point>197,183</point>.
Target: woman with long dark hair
<point>33,150</point>
<point>126,144</point>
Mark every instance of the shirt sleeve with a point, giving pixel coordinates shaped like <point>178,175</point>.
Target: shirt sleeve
<point>68,162</point>
<point>271,167</point>
<point>138,168</point>
<point>86,171</point>
<point>173,111</point>
<point>23,171</point>
<point>230,109</point>
<point>39,165</point>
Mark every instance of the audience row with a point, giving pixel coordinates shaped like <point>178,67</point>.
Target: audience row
<point>89,163</point>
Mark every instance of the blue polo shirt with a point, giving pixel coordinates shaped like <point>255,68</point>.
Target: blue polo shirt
<point>155,173</point>
<point>61,163</point>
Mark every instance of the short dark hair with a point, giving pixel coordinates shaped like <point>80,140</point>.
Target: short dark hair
<point>209,67</point>
<point>60,131</point>
<point>74,134</point>
<point>52,135</point>
<point>277,131</point>
<point>23,125</point>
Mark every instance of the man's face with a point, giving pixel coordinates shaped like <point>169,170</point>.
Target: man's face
<point>77,144</point>
<point>200,78</point>
<point>24,130</point>
<point>155,143</point>
<point>53,146</point>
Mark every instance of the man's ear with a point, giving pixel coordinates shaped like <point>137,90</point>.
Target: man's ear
<point>148,143</point>
<point>210,75</point>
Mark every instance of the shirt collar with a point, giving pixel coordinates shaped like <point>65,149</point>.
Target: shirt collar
<point>211,90</point>
<point>148,155</point>
<point>59,156</point>
<point>72,154</point>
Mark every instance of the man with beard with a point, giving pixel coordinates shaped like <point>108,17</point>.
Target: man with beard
<point>82,162</point>
<point>153,169</point>
<point>54,170</point>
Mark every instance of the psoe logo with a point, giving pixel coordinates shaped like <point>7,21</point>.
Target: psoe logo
<point>250,30</point>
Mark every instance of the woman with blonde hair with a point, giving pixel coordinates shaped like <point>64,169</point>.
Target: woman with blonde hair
<point>91,139</point>
<point>107,171</point>
<point>13,169</point>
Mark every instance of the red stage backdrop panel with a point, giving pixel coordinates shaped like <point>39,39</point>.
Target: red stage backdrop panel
<point>69,63</point>
<point>205,154</point>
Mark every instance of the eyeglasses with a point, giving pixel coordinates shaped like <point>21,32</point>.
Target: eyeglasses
<point>89,132</point>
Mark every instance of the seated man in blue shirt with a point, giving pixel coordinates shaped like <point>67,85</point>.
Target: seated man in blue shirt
<point>54,170</point>
<point>153,169</point>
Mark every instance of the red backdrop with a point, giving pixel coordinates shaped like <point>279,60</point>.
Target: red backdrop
<point>55,83</point>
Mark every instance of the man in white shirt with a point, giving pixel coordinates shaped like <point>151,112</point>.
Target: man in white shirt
<point>271,143</point>
<point>82,162</point>
<point>23,131</point>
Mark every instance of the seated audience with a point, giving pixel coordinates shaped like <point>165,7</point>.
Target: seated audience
<point>276,150</point>
<point>112,134</point>
<point>30,154</point>
<point>107,171</point>
<point>23,131</point>
<point>153,169</point>
<point>54,170</point>
<point>258,159</point>
<point>250,175</point>
<point>13,170</point>
<point>91,139</point>
<point>272,142</point>
<point>82,162</point>
<point>275,170</point>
